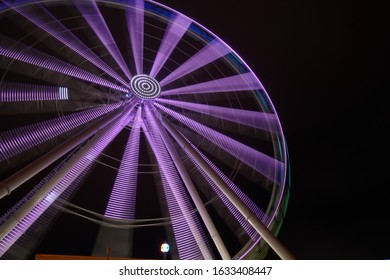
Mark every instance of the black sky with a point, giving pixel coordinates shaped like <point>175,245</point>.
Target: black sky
<point>325,65</point>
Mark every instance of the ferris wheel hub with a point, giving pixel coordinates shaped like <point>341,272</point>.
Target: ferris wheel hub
<point>145,87</point>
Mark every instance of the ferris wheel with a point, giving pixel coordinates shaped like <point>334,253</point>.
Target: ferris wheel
<point>132,124</point>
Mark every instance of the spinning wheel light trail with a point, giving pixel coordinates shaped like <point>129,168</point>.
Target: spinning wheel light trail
<point>145,119</point>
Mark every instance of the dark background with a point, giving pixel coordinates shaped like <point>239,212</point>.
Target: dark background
<point>325,66</point>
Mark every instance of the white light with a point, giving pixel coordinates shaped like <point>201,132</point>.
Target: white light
<point>165,248</point>
<point>145,87</point>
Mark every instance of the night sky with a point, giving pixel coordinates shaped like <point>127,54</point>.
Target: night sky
<point>325,65</point>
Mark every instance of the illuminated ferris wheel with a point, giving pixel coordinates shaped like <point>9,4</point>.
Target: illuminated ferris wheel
<point>131,123</point>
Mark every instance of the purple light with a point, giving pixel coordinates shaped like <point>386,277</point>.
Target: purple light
<point>122,194</point>
<point>265,121</point>
<point>135,24</point>
<point>247,81</point>
<point>211,52</point>
<point>41,206</point>
<point>92,15</point>
<point>21,52</point>
<point>283,180</point>
<point>20,139</point>
<point>177,27</point>
<point>264,164</point>
<point>50,24</point>
<point>121,204</point>
<point>243,197</point>
<point>185,224</point>
<point>17,92</point>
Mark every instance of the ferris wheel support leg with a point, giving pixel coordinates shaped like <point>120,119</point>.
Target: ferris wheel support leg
<point>267,235</point>
<point>42,194</point>
<point>195,197</point>
<point>14,181</point>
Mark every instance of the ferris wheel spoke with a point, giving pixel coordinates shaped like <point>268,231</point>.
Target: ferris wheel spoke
<point>176,29</point>
<point>264,232</point>
<point>189,185</point>
<point>264,121</point>
<point>18,140</point>
<point>20,92</point>
<point>262,163</point>
<point>121,204</point>
<point>20,52</point>
<point>43,161</point>
<point>240,82</point>
<point>211,52</point>
<point>186,226</point>
<point>135,24</point>
<point>51,25</point>
<point>91,13</point>
<point>243,197</point>
<point>55,184</point>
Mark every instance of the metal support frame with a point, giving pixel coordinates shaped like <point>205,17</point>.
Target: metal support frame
<point>194,195</point>
<point>18,178</point>
<point>46,189</point>
<point>268,236</point>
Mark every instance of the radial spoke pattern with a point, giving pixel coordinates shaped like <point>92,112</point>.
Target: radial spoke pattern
<point>56,185</point>
<point>185,224</point>
<point>18,92</point>
<point>240,218</point>
<point>92,15</point>
<point>91,59</point>
<point>211,52</point>
<point>264,164</point>
<point>45,20</point>
<point>122,200</point>
<point>175,31</point>
<point>135,24</point>
<point>20,139</point>
<point>23,53</point>
<point>265,121</point>
<point>239,82</point>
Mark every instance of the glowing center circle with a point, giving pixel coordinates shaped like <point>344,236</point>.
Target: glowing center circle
<point>145,87</point>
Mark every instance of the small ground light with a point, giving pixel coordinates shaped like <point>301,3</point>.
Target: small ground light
<point>165,249</point>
